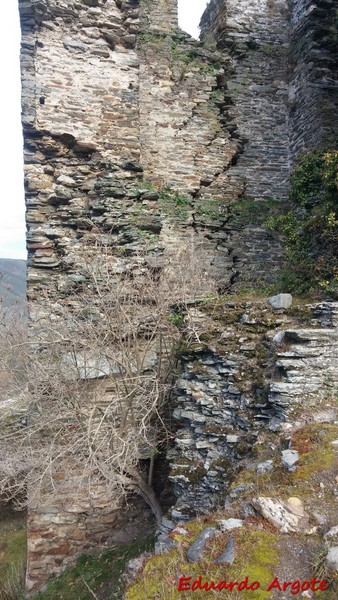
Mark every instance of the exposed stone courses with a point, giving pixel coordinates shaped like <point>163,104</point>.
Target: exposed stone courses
<point>313,86</point>
<point>256,35</point>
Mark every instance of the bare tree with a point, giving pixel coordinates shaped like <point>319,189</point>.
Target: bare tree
<point>95,375</point>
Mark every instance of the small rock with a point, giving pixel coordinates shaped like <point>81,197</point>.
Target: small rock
<point>227,524</point>
<point>296,506</point>
<point>332,558</point>
<point>177,514</point>
<point>289,458</point>
<point>319,518</point>
<point>70,44</point>
<point>111,39</point>
<point>196,549</point>
<point>129,40</point>
<point>135,566</point>
<point>163,545</point>
<point>130,165</point>
<point>280,301</point>
<point>228,555</point>
<point>244,318</point>
<point>150,195</point>
<point>239,489</point>
<point>264,467</point>
<point>248,510</point>
<point>275,424</point>
<point>332,534</point>
<point>325,416</point>
<point>232,439</point>
<point>65,180</point>
<point>179,531</point>
<point>167,524</point>
<point>278,338</point>
<point>335,443</point>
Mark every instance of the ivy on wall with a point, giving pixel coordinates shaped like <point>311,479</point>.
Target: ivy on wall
<point>310,226</point>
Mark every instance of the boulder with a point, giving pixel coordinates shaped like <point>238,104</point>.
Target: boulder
<point>228,554</point>
<point>332,558</point>
<point>289,458</point>
<point>283,516</point>
<point>280,301</point>
<point>227,524</point>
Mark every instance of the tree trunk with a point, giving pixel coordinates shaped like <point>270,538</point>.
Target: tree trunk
<point>148,494</point>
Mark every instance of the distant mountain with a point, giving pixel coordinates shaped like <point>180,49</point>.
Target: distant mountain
<point>12,281</point>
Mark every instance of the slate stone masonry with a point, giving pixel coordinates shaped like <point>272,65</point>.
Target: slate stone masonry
<point>119,104</point>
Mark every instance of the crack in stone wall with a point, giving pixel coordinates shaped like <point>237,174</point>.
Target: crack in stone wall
<point>255,33</point>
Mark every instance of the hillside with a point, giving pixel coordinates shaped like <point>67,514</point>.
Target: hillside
<point>12,280</point>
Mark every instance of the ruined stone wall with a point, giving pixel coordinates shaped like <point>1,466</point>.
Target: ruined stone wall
<point>81,130</point>
<point>255,33</point>
<point>80,116</point>
<point>87,105</point>
<point>263,372</point>
<point>139,138</point>
<point>160,16</point>
<point>313,92</point>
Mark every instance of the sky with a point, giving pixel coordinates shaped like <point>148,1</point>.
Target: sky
<point>12,206</point>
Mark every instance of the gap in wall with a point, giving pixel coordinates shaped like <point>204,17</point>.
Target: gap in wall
<point>189,15</point>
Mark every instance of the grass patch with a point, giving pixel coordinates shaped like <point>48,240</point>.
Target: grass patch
<point>102,574</point>
<point>317,452</point>
<point>13,554</point>
<point>317,457</point>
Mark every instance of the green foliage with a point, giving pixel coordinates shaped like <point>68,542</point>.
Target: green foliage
<point>101,574</point>
<point>307,179</point>
<point>146,37</point>
<point>176,318</point>
<point>310,227</point>
<point>209,208</point>
<point>209,41</point>
<point>217,96</point>
<point>144,185</point>
<point>174,204</point>
<point>254,212</point>
<point>187,59</point>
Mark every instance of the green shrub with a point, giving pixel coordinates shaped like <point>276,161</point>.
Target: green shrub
<point>310,227</point>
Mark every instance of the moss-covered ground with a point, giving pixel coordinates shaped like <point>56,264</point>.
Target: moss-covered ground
<point>261,551</point>
<point>255,560</point>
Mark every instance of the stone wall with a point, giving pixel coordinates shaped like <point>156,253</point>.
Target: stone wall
<point>255,33</point>
<point>142,140</point>
<point>87,106</point>
<point>262,373</point>
<point>313,92</point>
<point>77,522</point>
